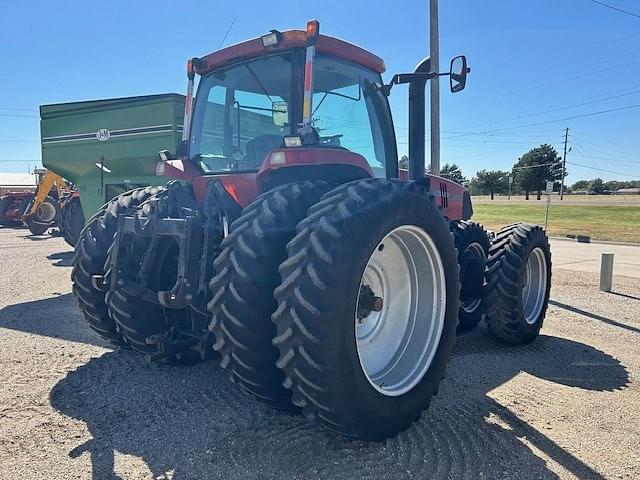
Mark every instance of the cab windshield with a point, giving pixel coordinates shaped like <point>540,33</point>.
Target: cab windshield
<point>243,112</point>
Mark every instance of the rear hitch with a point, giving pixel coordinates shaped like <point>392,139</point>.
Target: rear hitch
<point>167,347</point>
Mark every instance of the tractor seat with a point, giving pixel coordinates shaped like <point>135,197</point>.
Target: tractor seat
<point>259,147</point>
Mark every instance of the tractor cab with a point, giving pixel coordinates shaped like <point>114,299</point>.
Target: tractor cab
<point>288,106</point>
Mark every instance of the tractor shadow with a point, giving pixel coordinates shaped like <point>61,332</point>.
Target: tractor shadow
<point>57,317</point>
<point>194,423</point>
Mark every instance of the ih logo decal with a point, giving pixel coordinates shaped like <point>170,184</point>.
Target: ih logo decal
<point>103,135</point>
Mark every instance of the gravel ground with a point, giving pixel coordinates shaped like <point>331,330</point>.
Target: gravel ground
<point>566,406</point>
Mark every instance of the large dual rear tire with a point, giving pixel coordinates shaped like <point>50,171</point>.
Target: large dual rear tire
<point>242,289</point>
<point>89,260</point>
<point>368,307</point>
<point>472,244</point>
<point>518,283</point>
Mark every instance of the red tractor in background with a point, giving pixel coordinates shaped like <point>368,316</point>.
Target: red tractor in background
<point>328,281</point>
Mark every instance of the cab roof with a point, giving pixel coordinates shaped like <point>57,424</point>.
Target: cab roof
<point>288,40</point>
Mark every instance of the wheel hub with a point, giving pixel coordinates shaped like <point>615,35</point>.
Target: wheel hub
<point>534,286</point>
<point>45,213</point>
<point>400,310</point>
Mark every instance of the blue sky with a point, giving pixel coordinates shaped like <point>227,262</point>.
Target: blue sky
<point>537,67</point>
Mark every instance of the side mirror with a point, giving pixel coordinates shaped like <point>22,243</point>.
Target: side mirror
<point>458,73</point>
<point>279,113</point>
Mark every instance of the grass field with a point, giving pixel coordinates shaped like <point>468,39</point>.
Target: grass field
<point>601,218</point>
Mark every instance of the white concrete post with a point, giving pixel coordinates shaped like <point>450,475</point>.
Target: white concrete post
<point>606,272</point>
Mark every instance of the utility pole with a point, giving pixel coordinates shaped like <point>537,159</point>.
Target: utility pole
<point>564,163</point>
<point>434,47</point>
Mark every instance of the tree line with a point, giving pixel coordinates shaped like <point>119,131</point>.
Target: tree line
<point>528,175</point>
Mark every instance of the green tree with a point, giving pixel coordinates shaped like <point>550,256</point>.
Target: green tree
<point>452,172</point>
<point>580,185</point>
<point>404,163</point>
<point>489,182</point>
<point>596,186</point>
<point>535,167</point>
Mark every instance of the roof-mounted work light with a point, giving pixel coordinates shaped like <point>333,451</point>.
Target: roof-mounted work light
<point>271,39</point>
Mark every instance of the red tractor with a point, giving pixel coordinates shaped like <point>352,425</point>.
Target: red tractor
<point>328,281</point>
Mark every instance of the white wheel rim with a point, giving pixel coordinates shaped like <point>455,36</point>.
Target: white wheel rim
<point>46,213</point>
<point>397,344</point>
<point>535,285</point>
<point>472,304</point>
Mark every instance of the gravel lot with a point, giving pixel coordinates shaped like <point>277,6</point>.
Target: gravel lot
<point>565,406</point>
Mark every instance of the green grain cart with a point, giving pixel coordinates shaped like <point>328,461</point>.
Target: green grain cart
<point>106,147</point>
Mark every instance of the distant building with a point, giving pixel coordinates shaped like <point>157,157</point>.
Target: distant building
<point>628,191</point>
<point>17,182</point>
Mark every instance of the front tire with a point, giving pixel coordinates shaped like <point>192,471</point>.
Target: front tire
<point>518,283</point>
<point>334,284</point>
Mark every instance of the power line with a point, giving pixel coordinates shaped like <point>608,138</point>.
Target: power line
<point>602,169</point>
<point>590,114</point>
<point>568,79</point>
<point>18,115</point>
<point>16,109</point>
<point>626,12</point>
<point>559,109</point>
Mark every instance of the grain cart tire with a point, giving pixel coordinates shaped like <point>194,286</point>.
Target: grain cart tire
<point>90,255</point>
<point>472,243</point>
<point>71,221</point>
<point>368,307</point>
<point>138,319</point>
<point>518,283</point>
<point>242,290</point>
<point>45,216</point>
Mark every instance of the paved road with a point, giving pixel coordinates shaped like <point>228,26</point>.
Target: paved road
<point>585,257</point>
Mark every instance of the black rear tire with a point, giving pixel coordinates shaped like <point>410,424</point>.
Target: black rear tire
<point>242,290</point>
<point>71,220</point>
<point>317,307</point>
<point>38,224</point>
<point>506,315</point>
<point>472,243</point>
<point>89,259</point>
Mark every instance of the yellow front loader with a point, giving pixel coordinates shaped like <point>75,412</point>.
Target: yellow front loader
<point>44,210</point>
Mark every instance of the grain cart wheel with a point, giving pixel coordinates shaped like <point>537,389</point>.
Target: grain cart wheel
<point>71,220</point>
<point>242,290</point>
<point>472,243</point>
<point>90,255</point>
<point>45,216</point>
<point>368,307</point>
<point>138,319</point>
<point>518,283</point>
